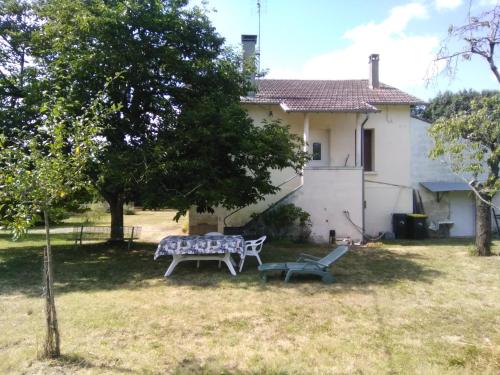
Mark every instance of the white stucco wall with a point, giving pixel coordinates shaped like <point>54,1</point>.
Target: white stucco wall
<point>339,130</point>
<point>326,194</point>
<point>422,167</point>
<point>391,167</point>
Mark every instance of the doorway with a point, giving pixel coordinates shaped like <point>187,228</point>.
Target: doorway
<point>463,214</point>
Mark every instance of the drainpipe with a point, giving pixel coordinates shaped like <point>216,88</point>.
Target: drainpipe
<point>363,177</point>
<point>306,141</point>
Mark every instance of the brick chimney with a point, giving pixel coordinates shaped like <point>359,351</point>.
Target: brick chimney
<point>249,42</point>
<point>373,80</point>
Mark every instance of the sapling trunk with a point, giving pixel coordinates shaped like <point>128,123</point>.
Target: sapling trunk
<point>52,344</point>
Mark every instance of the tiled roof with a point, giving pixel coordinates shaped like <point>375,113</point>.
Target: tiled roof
<point>327,96</point>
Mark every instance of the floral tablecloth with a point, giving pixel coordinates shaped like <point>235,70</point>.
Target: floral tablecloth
<point>184,245</point>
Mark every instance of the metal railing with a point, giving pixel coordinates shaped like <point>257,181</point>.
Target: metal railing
<point>280,185</point>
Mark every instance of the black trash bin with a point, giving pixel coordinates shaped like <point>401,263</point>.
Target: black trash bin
<point>417,226</point>
<point>400,226</point>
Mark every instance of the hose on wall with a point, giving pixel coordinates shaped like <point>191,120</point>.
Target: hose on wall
<point>360,230</point>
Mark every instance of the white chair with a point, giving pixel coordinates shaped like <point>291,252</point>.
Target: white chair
<point>252,248</point>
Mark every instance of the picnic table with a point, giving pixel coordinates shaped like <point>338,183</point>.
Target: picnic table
<point>208,247</point>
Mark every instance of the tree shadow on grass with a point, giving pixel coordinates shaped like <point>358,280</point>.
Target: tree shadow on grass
<point>107,267</point>
<point>97,266</point>
<point>70,363</point>
<point>382,266</point>
<point>190,365</point>
<point>359,267</point>
<point>434,242</point>
<point>362,267</point>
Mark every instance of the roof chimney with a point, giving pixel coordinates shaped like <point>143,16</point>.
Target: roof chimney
<point>373,80</point>
<point>249,42</point>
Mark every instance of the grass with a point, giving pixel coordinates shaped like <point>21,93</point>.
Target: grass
<point>397,308</point>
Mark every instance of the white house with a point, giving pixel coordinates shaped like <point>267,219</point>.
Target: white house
<point>359,135</point>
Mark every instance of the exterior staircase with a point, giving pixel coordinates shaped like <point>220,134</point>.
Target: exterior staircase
<point>254,227</point>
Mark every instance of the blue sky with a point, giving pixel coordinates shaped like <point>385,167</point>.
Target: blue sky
<point>332,39</point>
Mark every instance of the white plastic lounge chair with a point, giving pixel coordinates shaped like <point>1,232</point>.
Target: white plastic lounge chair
<point>306,264</point>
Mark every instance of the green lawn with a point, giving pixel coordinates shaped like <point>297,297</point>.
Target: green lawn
<point>426,308</point>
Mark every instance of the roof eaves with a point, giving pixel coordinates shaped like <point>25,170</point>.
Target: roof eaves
<point>326,110</point>
<point>414,101</point>
<point>254,100</point>
<point>285,108</point>
<point>442,186</point>
<point>372,108</point>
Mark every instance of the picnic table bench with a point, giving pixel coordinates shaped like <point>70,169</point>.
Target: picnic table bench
<point>101,233</point>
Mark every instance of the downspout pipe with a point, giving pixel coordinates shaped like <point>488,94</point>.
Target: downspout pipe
<point>362,138</point>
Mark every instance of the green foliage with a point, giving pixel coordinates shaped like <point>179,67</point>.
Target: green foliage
<point>56,215</point>
<point>92,213</point>
<point>180,137</point>
<point>448,104</point>
<point>286,221</point>
<point>129,209</point>
<point>45,169</point>
<point>469,141</point>
<point>21,86</point>
<point>472,250</point>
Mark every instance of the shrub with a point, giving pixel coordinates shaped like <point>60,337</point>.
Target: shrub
<point>129,209</point>
<point>57,215</point>
<point>286,221</point>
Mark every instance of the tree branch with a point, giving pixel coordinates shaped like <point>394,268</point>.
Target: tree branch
<point>480,37</point>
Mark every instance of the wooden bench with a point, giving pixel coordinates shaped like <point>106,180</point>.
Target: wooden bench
<point>101,233</point>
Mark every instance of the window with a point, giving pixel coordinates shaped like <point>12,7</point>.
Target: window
<point>316,151</point>
<point>368,149</point>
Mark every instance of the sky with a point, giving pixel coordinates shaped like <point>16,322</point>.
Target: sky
<point>332,39</point>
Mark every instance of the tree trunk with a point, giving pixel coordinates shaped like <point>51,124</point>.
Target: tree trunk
<point>494,68</point>
<point>52,346</point>
<point>483,228</point>
<point>116,209</point>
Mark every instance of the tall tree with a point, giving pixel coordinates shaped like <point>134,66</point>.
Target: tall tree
<point>181,137</point>
<point>470,143</point>
<point>480,37</point>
